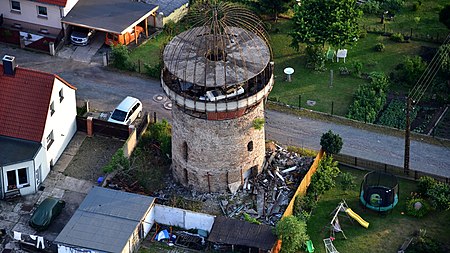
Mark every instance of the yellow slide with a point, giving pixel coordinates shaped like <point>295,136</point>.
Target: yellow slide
<point>356,217</point>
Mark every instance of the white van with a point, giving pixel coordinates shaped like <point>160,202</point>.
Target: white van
<point>127,111</point>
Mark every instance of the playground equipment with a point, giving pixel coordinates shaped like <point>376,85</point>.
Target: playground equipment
<point>309,246</point>
<point>379,191</point>
<point>335,226</point>
<point>329,247</point>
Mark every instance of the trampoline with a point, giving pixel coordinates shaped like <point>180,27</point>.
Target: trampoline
<point>379,191</point>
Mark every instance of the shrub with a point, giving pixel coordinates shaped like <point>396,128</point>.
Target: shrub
<point>371,7</point>
<point>347,180</point>
<point>121,58</point>
<point>357,67</point>
<point>416,5</point>
<point>331,142</point>
<point>379,47</point>
<point>153,71</point>
<point>362,33</point>
<point>315,58</point>
<point>258,123</point>
<point>118,161</point>
<point>444,16</point>
<point>409,71</point>
<point>392,6</point>
<point>397,37</point>
<point>304,204</point>
<point>415,209</point>
<point>293,233</point>
<point>369,99</point>
<point>250,219</point>
<point>437,192</point>
<point>324,178</point>
<point>161,132</point>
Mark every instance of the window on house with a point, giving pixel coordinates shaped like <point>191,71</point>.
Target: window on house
<point>250,146</point>
<point>42,11</point>
<point>15,6</point>
<point>61,95</point>
<point>50,139</point>
<point>52,108</point>
<point>17,178</point>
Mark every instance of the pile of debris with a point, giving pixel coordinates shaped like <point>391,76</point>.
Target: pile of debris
<point>266,197</point>
<point>263,198</point>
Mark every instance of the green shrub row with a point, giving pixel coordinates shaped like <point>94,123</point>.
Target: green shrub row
<point>437,192</point>
<point>118,161</point>
<point>369,99</point>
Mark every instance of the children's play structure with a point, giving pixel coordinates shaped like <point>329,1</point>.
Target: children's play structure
<point>379,191</point>
<point>345,211</point>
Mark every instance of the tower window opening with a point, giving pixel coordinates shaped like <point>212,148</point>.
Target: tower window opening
<point>185,151</point>
<point>250,146</point>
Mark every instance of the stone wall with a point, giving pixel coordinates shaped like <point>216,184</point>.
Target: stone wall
<point>211,155</point>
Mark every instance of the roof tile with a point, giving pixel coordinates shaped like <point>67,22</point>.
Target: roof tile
<point>55,2</point>
<point>24,103</point>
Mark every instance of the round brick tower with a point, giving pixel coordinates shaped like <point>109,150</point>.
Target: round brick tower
<point>218,75</point>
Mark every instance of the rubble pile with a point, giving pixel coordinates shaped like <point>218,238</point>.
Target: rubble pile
<point>266,196</point>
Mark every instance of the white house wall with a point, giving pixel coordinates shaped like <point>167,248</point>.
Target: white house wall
<point>62,122</point>
<point>29,13</point>
<point>29,165</point>
<point>69,5</point>
<point>67,249</point>
<point>183,218</point>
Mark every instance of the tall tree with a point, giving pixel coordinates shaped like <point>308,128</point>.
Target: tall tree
<point>274,7</point>
<point>320,22</point>
<point>292,232</point>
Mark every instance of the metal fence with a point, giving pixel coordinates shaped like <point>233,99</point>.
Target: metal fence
<point>369,165</point>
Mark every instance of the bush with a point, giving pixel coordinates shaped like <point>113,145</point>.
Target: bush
<point>153,71</point>
<point>369,98</point>
<point>293,233</point>
<point>362,33</point>
<point>347,180</point>
<point>161,132</point>
<point>392,6</point>
<point>315,58</point>
<point>409,71</point>
<point>444,16</point>
<point>357,67</point>
<point>258,123</point>
<point>118,161</point>
<point>416,5</point>
<point>379,47</point>
<point>397,37</point>
<point>437,192</point>
<point>121,58</point>
<point>304,204</point>
<point>394,114</point>
<point>331,142</point>
<point>417,210</point>
<point>324,178</point>
<point>371,7</point>
<point>424,184</point>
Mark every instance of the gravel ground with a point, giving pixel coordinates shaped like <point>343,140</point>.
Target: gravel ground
<point>94,153</point>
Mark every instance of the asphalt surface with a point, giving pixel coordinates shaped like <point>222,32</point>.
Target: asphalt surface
<point>105,88</point>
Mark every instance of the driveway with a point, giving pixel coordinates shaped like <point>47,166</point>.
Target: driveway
<point>83,53</point>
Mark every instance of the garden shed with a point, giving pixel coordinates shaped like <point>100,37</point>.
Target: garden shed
<point>108,221</point>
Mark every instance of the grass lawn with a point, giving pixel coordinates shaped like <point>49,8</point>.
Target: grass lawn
<point>428,13</point>
<point>316,85</point>
<point>385,233</point>
<point>149,52</point>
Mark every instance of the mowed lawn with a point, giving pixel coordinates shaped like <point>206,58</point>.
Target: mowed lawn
<point>317,86</point>
<point>386,232</point>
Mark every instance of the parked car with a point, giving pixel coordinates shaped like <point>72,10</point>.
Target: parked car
<point>46,212</point>
<point>81,36</point>
<point>127,111</point>
<point>124,39</point>
<point>216,95</point>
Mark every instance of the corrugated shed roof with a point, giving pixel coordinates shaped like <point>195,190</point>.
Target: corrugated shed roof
<point>61,3</point>
<point>24,102</point>
<point>105,220</point>
<point>237,232</point>
<point>14,150</point>
<point>114,16</point>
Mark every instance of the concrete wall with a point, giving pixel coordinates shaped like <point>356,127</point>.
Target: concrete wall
<point>216,149</point>
<point>29,13</point>
<point>182,218</point>
<point>62,122</point>
<point>66,249</point>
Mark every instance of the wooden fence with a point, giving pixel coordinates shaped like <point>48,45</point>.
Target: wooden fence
<point>369,165</point>
<point>301,191</point>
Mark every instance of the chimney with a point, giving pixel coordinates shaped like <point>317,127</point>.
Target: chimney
<point>9,65</point>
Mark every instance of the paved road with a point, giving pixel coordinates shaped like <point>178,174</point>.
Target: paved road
<point>105,89</point>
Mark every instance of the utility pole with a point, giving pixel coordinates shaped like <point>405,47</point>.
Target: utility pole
<point>407,136</point>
